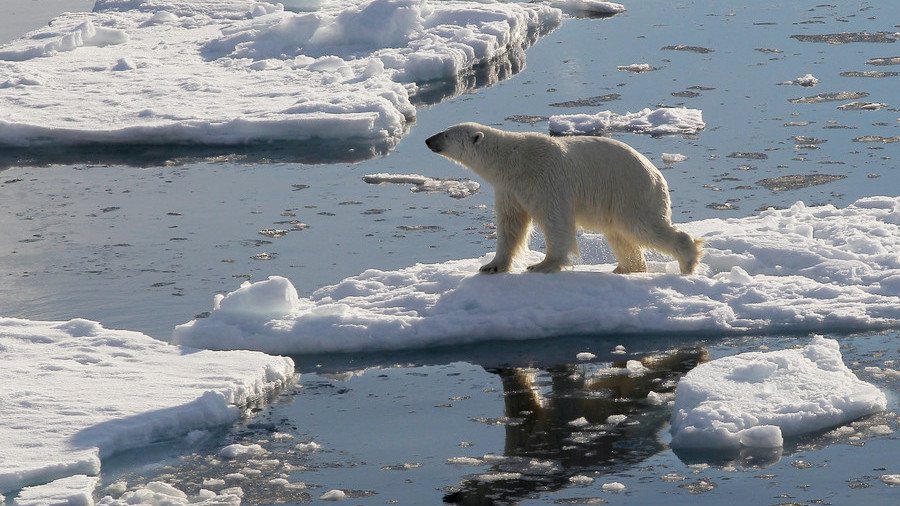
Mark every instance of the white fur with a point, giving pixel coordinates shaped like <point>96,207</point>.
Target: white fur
<point>562,183</point>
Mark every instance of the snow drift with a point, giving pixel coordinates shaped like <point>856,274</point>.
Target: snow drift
<point>803,269</point>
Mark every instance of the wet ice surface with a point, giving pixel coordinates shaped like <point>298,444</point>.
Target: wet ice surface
<point>145,248</point>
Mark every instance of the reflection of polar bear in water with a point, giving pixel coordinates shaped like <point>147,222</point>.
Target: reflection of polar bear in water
<point>561,183</point>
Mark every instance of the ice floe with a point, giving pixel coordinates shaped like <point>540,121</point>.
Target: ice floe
<point>456,188</point>
<point>157,493</point>
<point>74,392</point>
<point>241,71</point>
<point>807,81</point>
<point>599,7</point>
<point>661,121</point>
<point>673,158</point>
<point>636,68</point>
<point>757,399</point>
<point>802,269</point>
<point>77,489</point>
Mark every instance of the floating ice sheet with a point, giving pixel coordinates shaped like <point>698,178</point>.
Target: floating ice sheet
<point>74,392</point>
<point>757,399</point>
<point>599,7</point>
<point>456,188</point>
<point>662,121</point>
<point>794,270</point>
<point>237,72</point>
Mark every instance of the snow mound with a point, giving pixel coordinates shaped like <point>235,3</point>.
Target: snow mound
<point>662,121</point>
<point>74,392</point>
<point>803,269</point>
<point>240,71</point>
<point>757,399</point>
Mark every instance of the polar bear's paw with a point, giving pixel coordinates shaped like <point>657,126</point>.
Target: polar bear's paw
<point>547,266</point>
<point>494,267</point>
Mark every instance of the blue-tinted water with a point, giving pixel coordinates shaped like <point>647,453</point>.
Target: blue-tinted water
<point>144,245</point>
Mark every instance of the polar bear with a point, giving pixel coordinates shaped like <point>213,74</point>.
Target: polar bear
<point>561,183</point>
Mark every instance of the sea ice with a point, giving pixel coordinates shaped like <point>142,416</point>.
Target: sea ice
<point>662,121</point>
<point>239,450</point>
<point>74,392</point>
<point>241,71</point>
<point>77,489</point>
<point>806,81</point>
<point>802,269</point>
<point>890,479</point>
<point>637,68</point>
<point>580,422</point>
<point>456,188</point>
<point>581,480</point>
<point>589,6</point>
<point>333,495</point>
<point>673,158</point>
<point>757,399</point>
<point>157,493</point>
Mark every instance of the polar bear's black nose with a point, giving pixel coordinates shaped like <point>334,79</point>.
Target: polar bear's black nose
<point>432,143</point>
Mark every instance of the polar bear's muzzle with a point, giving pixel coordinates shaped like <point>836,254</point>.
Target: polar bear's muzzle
<point>434,142</point>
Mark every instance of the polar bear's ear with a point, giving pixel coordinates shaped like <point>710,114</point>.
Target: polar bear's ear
<point>477,136</point>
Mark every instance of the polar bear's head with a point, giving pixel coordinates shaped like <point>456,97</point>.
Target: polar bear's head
<point>460,143</point>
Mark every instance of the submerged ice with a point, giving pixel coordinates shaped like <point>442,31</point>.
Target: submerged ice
<point>235,72</point>
<point>795,270</point>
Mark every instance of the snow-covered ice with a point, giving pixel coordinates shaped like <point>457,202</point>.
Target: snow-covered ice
<point>802,269</point>
<point>581,480</point>
<point>637,68</point>
<point>157,493</point>
<point>673,158</point>
<point>241,71</point>
<point>588,6</point>
<point>333,495</point>
<point>757,399</point>
<point>456,188</point>
<point>807,81</point>
<point>661,121</point>
<point>76,490</point>
<point>236,450</point>
<point>613,486</point>
<point>74,392</point>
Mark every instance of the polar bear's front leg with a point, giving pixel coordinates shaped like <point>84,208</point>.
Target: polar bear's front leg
<point>513,229</point>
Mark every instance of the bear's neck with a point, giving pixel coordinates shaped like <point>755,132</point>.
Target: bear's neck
<point>496,162</point>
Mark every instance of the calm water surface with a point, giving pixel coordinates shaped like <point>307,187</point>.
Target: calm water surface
<point>133,242</point>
